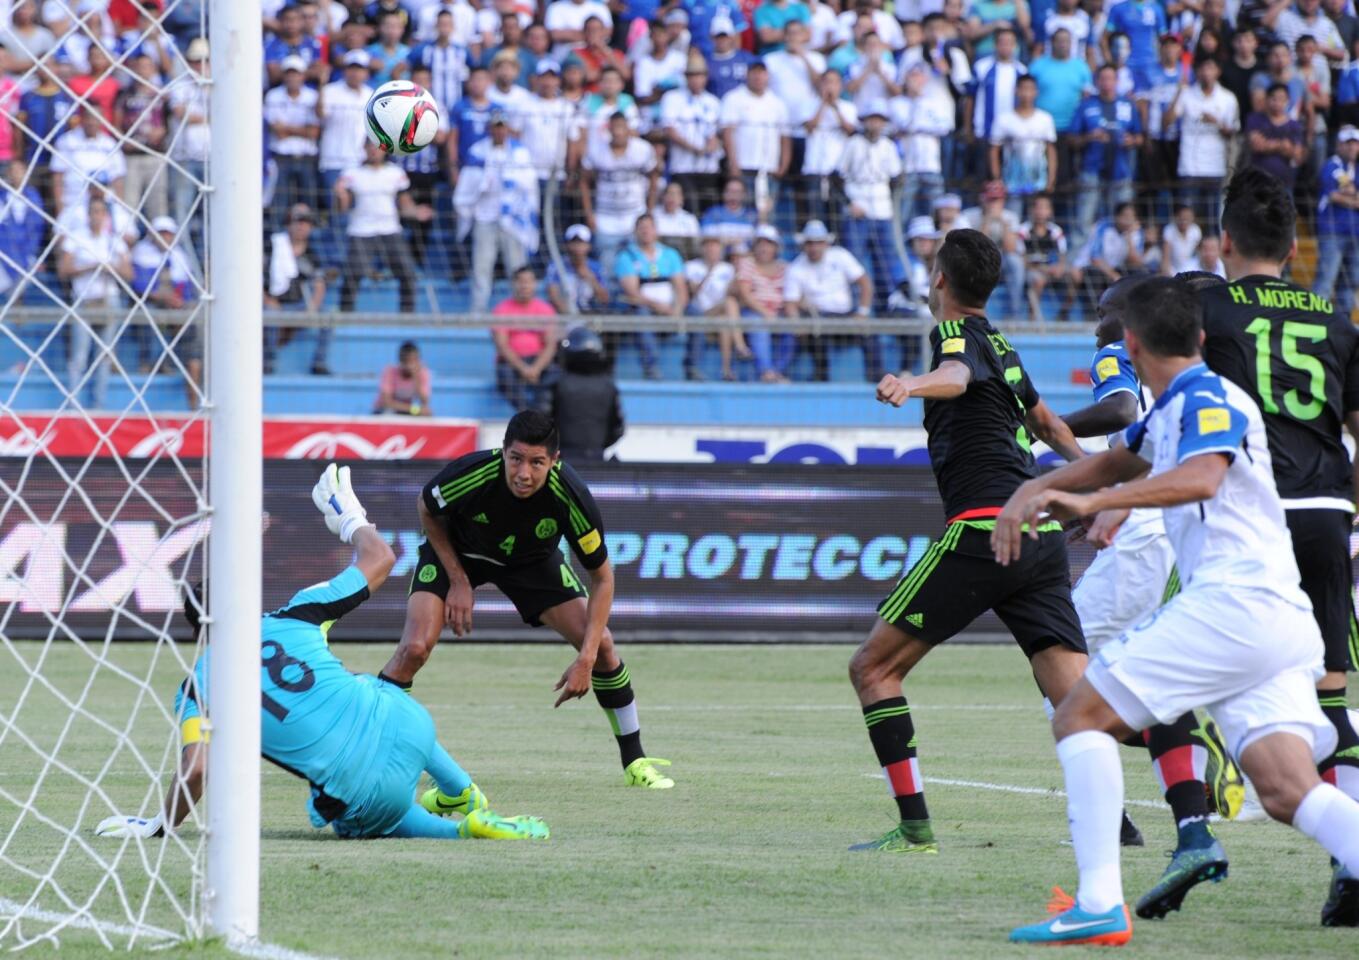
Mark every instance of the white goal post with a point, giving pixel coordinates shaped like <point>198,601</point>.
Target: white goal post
<point>104,315</point>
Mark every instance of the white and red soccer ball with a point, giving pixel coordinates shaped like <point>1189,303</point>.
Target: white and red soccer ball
<point>402,117</point>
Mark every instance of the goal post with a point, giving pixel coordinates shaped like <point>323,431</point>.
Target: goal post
<point>235,468</point>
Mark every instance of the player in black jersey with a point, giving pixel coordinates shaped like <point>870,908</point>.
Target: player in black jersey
<point>1299,361</point>
<point>498,516</point>
<point>980,408</point>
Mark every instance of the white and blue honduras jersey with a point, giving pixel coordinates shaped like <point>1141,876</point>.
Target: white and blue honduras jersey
<point>1238,537</point>
<point>1111,372</point>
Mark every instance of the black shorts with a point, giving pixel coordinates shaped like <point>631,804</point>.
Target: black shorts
<point>532,588</point>
<point>958,579</point>
<point>1321,544</point>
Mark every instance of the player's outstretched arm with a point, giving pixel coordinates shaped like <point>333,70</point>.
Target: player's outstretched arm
<point>375,559</point>
<point>1115,412</point>
<point>345,517</point>
<point>575,682</point>
<point>182,796</point>
<point>945,382</point>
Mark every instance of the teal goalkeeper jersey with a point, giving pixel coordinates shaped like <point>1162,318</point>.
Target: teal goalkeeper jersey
<point>315,716</point>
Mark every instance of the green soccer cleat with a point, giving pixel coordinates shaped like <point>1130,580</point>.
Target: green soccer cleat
<point>1188,868</point>
<point>441,804</point>
<point>642,772</point>
<point>909,836</point>
<point>484,825</point>
<point>1222,777</point>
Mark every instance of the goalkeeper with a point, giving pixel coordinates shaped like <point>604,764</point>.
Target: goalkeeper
<point>360,742</point>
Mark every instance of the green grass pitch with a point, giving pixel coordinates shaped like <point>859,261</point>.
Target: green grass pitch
<point>745,857</point>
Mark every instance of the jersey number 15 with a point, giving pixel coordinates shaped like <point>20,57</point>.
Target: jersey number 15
<point>1290,332</point>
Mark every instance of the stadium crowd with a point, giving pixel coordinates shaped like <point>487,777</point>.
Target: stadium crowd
<point>744,159</point>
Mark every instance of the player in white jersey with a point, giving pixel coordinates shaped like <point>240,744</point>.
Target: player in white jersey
<point>1130,577</point>
<point>1239,639</point>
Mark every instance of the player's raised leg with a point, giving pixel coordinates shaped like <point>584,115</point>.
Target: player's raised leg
<point>612,684</point>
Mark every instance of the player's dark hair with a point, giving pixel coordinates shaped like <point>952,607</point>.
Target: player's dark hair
<point>970,261</point>
<point>533,428</point>
<point>1200,279</point>
<point>1165,314</point>
<point>1258,212</point>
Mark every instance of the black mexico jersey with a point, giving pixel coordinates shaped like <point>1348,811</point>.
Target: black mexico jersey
<point>1299,361</point>
<point>979,448</point>
<point>487,522</point>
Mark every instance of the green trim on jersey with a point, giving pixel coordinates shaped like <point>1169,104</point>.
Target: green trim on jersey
<point>1173,587</point>
<point>472,480</point>
<point>579,524</point>
<point>950,328</point>
<point>1051,526</point>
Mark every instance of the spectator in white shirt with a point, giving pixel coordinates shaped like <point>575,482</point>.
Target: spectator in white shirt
<point>565,21</point>
<point>464,22</point>
<point>341,107</point>
<point>689,119</point>
<point>794,73</point>
<point>506,94</point>
<point>618,185</point>
<point>710,278</point>
<point>656,74</point>
<point>375,197</point>
<point>189,136</point>
<point>84,156</point>
<point>1289,22</point>
<point>921,118</point>
<point>873,76</point>
<point>868,167</point>
<point>1002,226</point>
<point>1209,117</point>
<point>548,123</point>
<point>834,121</point>
<point>94,259</point>
<point>755,134</point>
<point>290,112</point>
<point>1180,241</point>
<point>676,226</point>
<point>1209,259</point>
<point>823,282</point>
<point>1070,17</point>
<point>1024,148</point>
<point>1115,250</point>
<point>498,193</point>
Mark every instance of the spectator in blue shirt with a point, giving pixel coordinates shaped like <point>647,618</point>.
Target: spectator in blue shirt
<point>579,285</point>
<point>446,61</point>
<point>471,120</point>
<point>651,277</point>
<point>43,113</point>
<point>704,15</point>
<point>733,219</point>
<point>728,65</point>
<point>1338,223</point>
<point>1062,81</point>
<point>770,19</point>
<point>21,227</point>
<point>1143,21</point>
<point>1109,129</point>
<point>388,53</point>
<point>291,41</point>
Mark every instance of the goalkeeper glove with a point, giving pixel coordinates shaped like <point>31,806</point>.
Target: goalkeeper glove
<point>119,827</point>
<point>336,500</point>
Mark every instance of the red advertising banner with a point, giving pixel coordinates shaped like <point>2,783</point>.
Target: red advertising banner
<point>285,438</point>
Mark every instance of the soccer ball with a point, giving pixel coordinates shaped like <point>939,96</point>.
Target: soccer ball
<point>402,117</point>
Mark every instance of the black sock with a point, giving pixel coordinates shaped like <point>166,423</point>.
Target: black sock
<point>1179,758</point>
<point>893,736</point>
<point>613,690</point>
<point>403,684</point>
<point>1346,753</point>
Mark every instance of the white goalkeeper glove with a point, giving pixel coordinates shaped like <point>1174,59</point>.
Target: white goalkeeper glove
<point>119,828</point>
<point>336,500</point>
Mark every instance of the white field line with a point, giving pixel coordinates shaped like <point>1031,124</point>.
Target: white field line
<point>1028,791</point>
<point>252,948</point>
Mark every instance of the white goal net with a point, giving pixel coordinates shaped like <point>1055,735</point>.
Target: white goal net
<point>105,287</point>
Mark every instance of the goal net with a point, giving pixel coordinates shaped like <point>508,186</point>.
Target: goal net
<point>106,392</point>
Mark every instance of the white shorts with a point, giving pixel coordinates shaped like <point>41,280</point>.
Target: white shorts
<point>1122,586</point>
<point>1246,654</point>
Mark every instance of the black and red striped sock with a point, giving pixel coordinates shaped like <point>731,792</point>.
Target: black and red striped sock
<point>893,736</point>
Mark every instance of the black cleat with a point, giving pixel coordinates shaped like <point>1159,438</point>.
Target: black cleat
<point>1342,905</point>
<point>1128,834</point>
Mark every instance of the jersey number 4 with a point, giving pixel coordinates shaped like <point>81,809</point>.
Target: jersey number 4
<point>275,660</point>
<point>1290,332</point>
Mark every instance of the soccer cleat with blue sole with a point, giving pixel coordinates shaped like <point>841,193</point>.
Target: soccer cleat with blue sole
<point>1342,905</point>
<point>441,804</point>
<point>485,825</point>
<point>1188,868</point>
<point>914,836</point>
<point>1070,926</point>
<point>1222,778</point>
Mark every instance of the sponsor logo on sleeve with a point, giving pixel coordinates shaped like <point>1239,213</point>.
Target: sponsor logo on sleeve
<point>590,542</point>
<point>1106,368</point>
<point>1214,420</point>
<point>953,345</point>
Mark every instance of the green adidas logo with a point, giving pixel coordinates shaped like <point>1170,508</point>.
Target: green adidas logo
<point>481,518</point>
<point>915,619</point>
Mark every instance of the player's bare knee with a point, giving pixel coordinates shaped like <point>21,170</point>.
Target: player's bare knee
<point>865,670</point>
<point>1280,797</point>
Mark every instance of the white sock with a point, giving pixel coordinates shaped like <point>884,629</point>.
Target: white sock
<point>1094,806</point>
<point>1049,709</point>
<point>1332,820</point>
